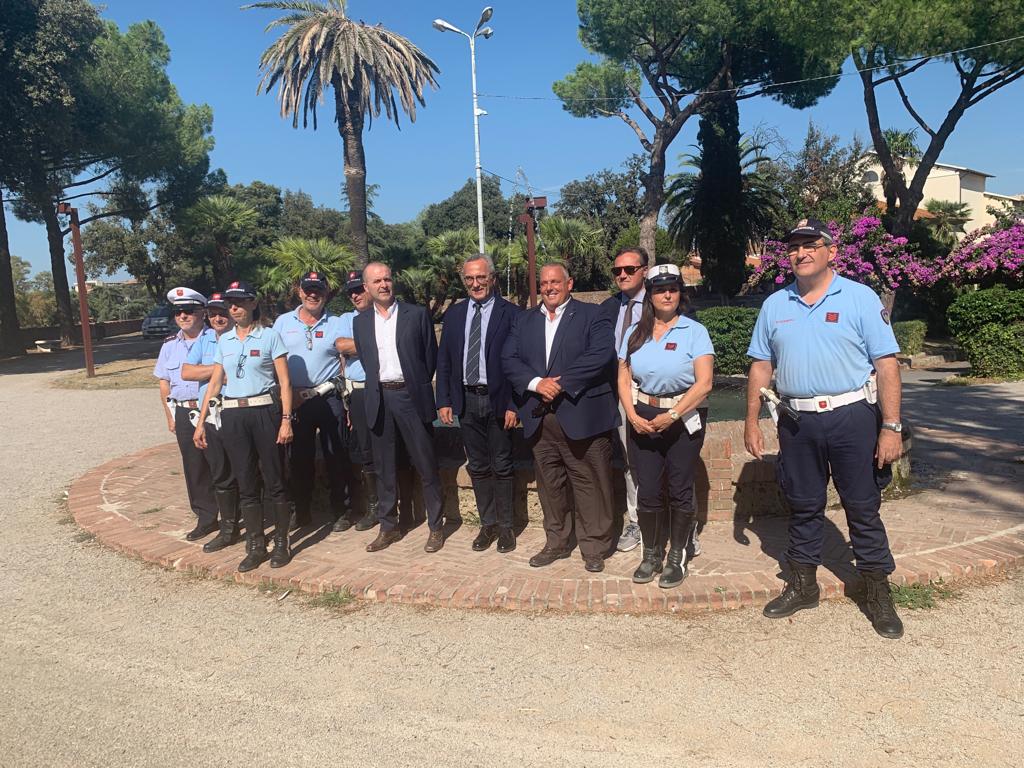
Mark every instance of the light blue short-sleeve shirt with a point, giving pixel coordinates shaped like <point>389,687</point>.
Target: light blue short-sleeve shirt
<point>202,353</point>
<point>312,358</point>
<point>174,352</point>
<point>665,367</point>
<point>826,348</point>
<point>254,375</point>
<point>353,365</point>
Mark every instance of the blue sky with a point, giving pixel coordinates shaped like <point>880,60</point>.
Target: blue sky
<point>215,51</point>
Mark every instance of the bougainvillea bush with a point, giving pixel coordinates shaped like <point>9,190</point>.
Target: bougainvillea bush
<point>986,257</point>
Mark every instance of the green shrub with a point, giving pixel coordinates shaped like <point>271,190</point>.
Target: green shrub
<point>971,311</point>
<point>910,335</point>
<point>730,329</point>
<point>996,350</point>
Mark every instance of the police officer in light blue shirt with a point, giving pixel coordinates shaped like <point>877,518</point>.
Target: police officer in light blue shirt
<point>309,333</point>
<point>823,336</point>
<point>251,369</point>
<point>180,398</point>
<point>666,368</point>
<point>199,368</point>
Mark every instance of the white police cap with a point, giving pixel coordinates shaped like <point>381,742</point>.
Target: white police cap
<point>185,297</point>
<point>662,274</point>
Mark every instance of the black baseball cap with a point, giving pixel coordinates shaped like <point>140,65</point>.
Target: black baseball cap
<point>313,279</point>
<point>354,281</point>
<point>239,289</point>
<point>810,228</point>
<point>217,301</point>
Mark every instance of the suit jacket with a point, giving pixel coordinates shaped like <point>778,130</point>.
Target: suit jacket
<point>581,353</point>
<point>417,352</point>
<point>451,364</point>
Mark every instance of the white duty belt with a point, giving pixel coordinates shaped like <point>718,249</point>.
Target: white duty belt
<point>351,385</point>
<point>247,402</point>
<point>691,419</point>
<point>824,403</point>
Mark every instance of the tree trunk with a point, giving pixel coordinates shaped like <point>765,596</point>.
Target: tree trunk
<point>222,272</point>
<point>59,268</point>
<point>349,115</point>
<point>10,336</point>
<point>654,196</point>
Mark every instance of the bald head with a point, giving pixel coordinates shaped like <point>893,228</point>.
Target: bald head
<point>377,280</point>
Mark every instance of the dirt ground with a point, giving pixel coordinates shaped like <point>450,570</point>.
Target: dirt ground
<point>110,662</point>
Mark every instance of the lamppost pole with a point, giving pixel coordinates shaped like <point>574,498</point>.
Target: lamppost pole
<point>481,31</point>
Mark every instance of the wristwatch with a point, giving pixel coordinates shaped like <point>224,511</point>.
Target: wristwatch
<point>674,414</point>
<point>895,426</point>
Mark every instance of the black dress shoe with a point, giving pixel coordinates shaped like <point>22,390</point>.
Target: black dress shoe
<point>484,539</point>
<point>594,564</point>
<point>547,556</point>
<point>366,522</point>
<point>384,540</point>
<point>342,524</point>
<point>506,540</point>
<point>201,530</point>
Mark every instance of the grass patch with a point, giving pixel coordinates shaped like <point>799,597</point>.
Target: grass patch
<point>151,511</point>
<point>120,374</point>
<point>958,380</point>
<point>335,599</point>
<point>83,536</point>
<point>922,596</point>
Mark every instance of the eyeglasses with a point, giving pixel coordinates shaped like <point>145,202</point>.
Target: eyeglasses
<point>183,311</point>
<point>629,269</point>
<point>214,313</point>
<point>240,368</point>
<point>309,338</point>
<point>798,247</point>
<point>480,279</point>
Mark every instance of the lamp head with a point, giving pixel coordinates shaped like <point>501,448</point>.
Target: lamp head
<point>485,33</point>
<point>485,16</point>
<point>443,26</point>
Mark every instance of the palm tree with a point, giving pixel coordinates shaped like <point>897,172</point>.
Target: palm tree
<point>579,244</point>
<point>903,146</point>
<point>947,221</point>
<point>223,218</point>
<point>320,48</point>
<point>693,218</point>
<point>292,257</point>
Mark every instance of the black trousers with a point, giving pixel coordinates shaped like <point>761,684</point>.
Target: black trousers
<point>488,456</point>
<point>360,450</point>
<point>665,463</point>
<point>324,416</point>
<point>198,480</point>
<point>250,438</point>
<point>841,443</point>
<point>574,482</point>
<point>397,416</point>
<point>217,458</point>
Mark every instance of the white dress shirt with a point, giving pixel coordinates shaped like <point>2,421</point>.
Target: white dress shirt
<point>550,329</point>
<point>387,349</point>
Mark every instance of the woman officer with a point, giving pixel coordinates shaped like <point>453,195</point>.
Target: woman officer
<point>666,365</point>
<point>251,366</point>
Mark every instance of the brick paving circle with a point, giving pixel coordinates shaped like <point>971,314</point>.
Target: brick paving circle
<point>137,505</point>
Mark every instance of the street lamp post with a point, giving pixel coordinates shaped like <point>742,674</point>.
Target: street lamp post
<point>481,31</point>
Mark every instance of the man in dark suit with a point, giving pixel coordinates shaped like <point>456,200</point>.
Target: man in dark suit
<point>472,385</point>
<point>398,349</point>
<point>623,309</point>
<point>561,365</point>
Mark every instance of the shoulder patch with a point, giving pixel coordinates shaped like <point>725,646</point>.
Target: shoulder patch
<point>885,316</point>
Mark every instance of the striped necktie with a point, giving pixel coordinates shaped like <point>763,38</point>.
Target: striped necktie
<point>473,358</point>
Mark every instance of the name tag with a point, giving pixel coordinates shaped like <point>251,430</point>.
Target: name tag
<point>254,353</point>
<point>831,317</point>
<point>671,346</point>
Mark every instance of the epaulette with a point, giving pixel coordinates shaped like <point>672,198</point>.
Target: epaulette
<point>172,337</point>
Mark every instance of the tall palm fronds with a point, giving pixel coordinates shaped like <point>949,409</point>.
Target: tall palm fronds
<point>367,66</point>
<point>223,218</point>
<point>947,221</point>
<point>903,146</point>
<point>436,280</point>
<point>292,257</point>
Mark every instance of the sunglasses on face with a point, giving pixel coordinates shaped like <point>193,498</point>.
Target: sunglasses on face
<point>214,313</point>
<point>183,311</point>
<point>356,292</point>
<point>629,269</point>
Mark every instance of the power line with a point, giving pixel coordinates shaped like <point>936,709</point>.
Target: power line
<point>935,56</point>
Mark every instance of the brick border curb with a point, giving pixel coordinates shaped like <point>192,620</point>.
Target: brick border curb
<point>108,502</point>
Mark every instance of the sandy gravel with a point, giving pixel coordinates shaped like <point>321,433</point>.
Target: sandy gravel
<point>107,662</point>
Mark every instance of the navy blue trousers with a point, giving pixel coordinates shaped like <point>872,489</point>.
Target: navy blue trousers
<point>840,444</point>
<point>324,416</point>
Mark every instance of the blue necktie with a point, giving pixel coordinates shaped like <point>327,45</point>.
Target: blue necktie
<point>473,359</point>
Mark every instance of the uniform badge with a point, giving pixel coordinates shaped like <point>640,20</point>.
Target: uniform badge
<point>319,334</point>
<point>671,346</point>
<point>885,316</point>
<point>254,353</point>
<point>180,292</point>
<point>831,317</point>
<point>823,404</point>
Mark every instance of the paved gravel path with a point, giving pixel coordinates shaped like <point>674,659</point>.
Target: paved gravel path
<point>110,662</point>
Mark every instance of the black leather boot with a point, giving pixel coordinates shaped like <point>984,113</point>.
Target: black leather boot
<point>282,554</point>
<point>255,541</point>
<point>675,568</point>
<point>227,506</point>
<point>650,566</point>
<point>369,519</point>
<point>801,592</point>
<point>504,502</point>
<point>879,605</point>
